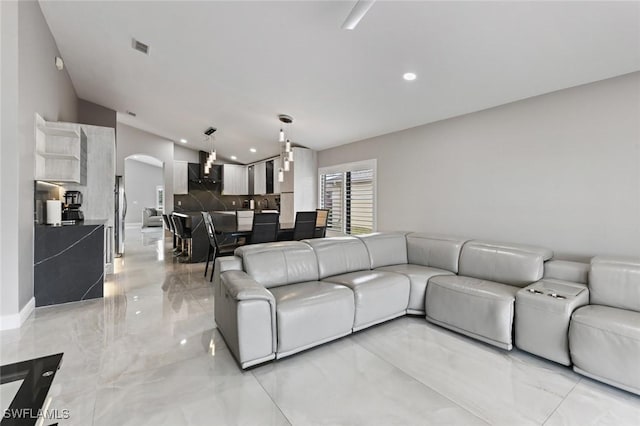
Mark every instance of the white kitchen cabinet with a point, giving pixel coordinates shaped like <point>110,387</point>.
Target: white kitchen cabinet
<point>260,178</point>
<point>180,177</point>
<point>61,152</point>
<point>299,191</point>
<point>235,179</point>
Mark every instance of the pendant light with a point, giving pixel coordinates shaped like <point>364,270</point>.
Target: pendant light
<point>212,154</point>
<point>286,150</point>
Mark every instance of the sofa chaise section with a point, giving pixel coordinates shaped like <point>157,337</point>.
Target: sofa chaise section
<point>378,295</point>
<point>479,302</point>
<point>426,256</point>
<point>604,337</point>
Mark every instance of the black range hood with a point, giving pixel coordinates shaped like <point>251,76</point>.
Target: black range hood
<point>196,171</point>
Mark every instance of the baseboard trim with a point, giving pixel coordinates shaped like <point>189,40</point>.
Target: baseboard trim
<point>8,322</point>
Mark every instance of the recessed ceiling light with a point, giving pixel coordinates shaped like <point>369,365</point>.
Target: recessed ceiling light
<point>409,76</point>
<point>253,150</point>
<point>233,157</point>
<point>183,140</point>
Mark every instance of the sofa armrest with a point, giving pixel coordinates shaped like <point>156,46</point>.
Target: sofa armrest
<point>223,264</point>
<point>245,314</point>
<point>240,286</point>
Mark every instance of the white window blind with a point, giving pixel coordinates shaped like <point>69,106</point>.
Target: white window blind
<point>349,195</point>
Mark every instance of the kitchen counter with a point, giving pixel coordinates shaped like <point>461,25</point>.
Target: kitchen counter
<point>68,262</point>
<point>82,223</point>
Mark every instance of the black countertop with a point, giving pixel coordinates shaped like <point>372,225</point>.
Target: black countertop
<point>95,222</point>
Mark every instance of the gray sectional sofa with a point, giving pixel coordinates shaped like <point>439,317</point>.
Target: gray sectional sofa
<point>274,300</point>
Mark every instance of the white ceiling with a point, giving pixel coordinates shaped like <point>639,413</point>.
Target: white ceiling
<point>237,65</point>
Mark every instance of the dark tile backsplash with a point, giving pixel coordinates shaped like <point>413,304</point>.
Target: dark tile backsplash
<point>206,196</point>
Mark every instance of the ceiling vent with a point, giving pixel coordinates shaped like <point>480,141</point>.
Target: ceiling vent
<point>140,46</point>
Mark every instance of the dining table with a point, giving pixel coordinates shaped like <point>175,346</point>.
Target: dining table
<point>226,226</point>
<point>231,229</point>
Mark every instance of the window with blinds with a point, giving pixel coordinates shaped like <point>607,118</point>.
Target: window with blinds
<point>349,197</point>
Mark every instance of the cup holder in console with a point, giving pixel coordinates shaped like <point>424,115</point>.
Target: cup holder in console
<point>556,296</point>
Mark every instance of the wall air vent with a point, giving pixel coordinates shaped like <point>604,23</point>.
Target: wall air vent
<point>140,46</point>
<point>131,113</point>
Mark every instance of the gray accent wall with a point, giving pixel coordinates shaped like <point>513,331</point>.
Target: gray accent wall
<point>140,181</point>
<point>561,170</point>
<point>95,115</point>
<point>29,83</point>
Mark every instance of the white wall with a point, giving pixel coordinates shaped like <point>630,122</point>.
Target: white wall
<point>30,84</point>
<point>140,182</point>
<point>560,170</point>
<point>181,153</point>
<point>131,141</point>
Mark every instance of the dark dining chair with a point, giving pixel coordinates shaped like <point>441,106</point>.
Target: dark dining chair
<point>321,223</point>
<point>305,226</point>
<point>216,248</point>
<point>265,228</point>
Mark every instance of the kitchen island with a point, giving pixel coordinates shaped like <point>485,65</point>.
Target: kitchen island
<point>68,262</point>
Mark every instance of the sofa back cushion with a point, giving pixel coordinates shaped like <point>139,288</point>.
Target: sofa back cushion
<point>567,271</point>
<point>517,265</point>
<point>339,255</point>
<point>385,248</point>
<point>275,264</point>
<point>615,282</point>
<point>434,251</point>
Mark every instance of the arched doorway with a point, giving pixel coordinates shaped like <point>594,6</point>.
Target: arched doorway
<point>141,195</point>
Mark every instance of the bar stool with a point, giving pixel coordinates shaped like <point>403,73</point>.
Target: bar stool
<point>169,227</point>
<point>184,234</point>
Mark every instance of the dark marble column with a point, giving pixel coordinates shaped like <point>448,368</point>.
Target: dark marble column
<point>68,263</point>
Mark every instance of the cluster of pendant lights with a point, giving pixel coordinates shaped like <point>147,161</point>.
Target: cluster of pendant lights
<point>212,154</point>
<point>286,153</point>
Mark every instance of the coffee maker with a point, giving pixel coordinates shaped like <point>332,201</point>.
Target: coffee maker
<point>72,203</point>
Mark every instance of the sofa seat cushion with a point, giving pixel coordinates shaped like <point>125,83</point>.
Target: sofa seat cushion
<point>418,276</point>
<point>311,313</point>
<point>379,295</point>
<point>477,308</point>
<point>604,343</point>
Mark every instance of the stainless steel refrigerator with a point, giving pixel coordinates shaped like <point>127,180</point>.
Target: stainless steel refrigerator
<point>121,213</point>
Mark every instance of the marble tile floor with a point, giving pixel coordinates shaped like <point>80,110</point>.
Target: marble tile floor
<point>149,354</point>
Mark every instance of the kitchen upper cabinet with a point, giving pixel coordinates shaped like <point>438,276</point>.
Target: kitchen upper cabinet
<point>299,190</point>
<point>61,153</point>
<point>260,178</point>
<point>180,177</point>
<point>235,179</point>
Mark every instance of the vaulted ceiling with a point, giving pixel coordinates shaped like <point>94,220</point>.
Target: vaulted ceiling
<point>236,65</point>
